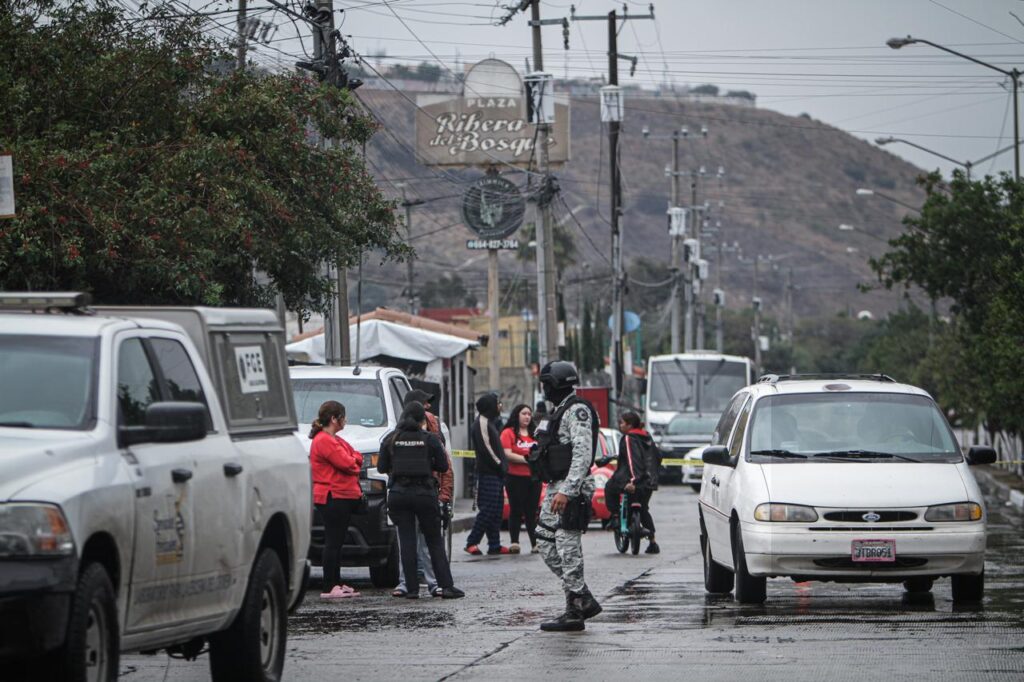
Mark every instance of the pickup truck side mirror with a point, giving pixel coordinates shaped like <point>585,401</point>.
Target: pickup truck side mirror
<point>167,422</point>
<point>981,454</point>
<point>717,454</point>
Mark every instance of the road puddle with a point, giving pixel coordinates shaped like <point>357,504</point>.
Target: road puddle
<point>327,621</point>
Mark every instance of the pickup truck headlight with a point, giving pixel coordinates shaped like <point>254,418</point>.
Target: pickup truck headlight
<point>773,511</point>
<point>960,511</point>
<point>34,530</point>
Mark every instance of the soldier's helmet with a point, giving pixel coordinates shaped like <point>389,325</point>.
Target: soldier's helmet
<point>558,376</point>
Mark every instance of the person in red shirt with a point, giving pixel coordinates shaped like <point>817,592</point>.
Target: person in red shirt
<point>335,467</point>
<point>523,491</point>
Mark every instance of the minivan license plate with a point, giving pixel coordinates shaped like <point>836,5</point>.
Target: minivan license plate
<point>882,551</point>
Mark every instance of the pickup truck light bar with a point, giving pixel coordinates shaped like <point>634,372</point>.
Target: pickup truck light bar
<point>68,301</point>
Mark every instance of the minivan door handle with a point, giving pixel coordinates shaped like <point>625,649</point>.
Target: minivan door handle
<point>181,475</point>
<point>714,481</point>
<point>232,469</point>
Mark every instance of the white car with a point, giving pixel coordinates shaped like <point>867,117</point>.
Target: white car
<point>849,479</point>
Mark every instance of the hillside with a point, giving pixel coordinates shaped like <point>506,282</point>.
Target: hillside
<point>789,183</point>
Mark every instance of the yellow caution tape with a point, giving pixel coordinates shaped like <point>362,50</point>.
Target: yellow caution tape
<point>463,453</point>
<point>672,462</point>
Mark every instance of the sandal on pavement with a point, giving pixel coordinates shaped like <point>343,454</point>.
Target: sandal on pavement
<point>339,592</point>
<point>399,593</point>
<point>474,550</point>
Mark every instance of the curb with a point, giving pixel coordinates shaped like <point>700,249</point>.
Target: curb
<point>1003,491</point>
<point>462,523</point>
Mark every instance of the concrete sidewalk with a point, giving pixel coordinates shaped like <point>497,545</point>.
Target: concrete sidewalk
<point>463,515</point>
<point>1005,484</point>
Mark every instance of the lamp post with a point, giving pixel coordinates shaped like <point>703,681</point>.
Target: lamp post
<point>1014,74</point>
<point>967,165</point>
<point>864,192</point>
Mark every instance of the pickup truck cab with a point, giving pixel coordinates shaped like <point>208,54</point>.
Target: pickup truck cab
<point>373,398</point>
<point>152,493</point>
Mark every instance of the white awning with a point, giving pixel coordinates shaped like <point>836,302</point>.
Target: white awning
<point>379,337</point>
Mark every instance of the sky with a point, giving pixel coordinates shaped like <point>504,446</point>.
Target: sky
<point>825,58</point>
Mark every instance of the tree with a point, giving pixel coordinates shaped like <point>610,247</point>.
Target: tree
<point>447,291</point>
<point>706,89</point>
<point>144,175</point>
<point>968,246</point>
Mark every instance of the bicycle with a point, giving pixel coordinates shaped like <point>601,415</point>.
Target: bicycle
<point>629,530</point>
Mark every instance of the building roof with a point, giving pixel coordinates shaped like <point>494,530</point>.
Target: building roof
<point>407,320</point>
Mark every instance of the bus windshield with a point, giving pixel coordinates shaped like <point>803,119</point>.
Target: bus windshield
<point>678,385</point>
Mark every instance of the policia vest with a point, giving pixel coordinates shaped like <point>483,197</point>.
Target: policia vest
<point>410,457</point>
<point>552,459</point>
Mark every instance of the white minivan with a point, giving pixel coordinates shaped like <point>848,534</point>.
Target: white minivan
<point>854,478</point>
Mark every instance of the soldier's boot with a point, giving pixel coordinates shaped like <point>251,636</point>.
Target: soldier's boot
<point>570,621</point>
<point>585,603</point>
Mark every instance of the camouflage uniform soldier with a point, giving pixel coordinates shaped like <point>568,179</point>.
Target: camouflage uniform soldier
<point>567,441</point>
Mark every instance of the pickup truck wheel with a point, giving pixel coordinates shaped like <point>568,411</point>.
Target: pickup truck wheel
<point>253,647</point>
<point>749,589</point>
<point>91,649</point>
<point>386,575</point>
<point>968,588</point>
<point>717,578</point>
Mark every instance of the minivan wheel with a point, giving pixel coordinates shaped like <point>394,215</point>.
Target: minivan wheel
<point>968,588</point>
<point>91,649</point>
<point>717,578</point>
<point>749,589</point>
<point>253,647</point>
<point>918,585</point>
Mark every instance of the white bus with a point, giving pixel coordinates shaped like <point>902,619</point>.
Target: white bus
<point>686,393</point>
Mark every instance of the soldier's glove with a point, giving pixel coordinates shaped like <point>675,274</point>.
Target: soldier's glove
<point>576,515</point>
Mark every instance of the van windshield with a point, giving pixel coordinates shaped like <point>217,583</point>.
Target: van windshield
<point>850,426</point>
<point>363,399</point>
<point>706,386</point>
<point>48,382</point>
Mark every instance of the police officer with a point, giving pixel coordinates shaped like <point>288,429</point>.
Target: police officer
<point>567,441</point>
<point>411,455</point>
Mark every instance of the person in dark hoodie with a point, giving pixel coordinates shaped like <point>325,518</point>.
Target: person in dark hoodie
<point>636,473</point>
<point>491,466</point>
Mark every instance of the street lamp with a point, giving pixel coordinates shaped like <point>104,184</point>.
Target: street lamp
<point>861,191</point>
<point>1014,74</point>
<point>967,165</point>
<point>845,227</point>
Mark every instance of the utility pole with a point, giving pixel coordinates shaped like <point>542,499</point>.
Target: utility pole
<point>547,324</point>
<point>410,289</point>
<point>677,312</point>
<point>612,110</point>
<point>240,52</point>
<point>336,338</point>
<point>755,330</point>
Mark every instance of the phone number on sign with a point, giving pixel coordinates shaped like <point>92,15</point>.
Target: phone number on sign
<point>492,244</point>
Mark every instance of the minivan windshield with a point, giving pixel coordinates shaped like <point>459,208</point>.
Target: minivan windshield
<point>843,427</point>
<point>363,399</point>
<point>47,382</point>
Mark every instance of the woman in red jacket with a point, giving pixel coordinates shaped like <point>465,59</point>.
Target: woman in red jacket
<point>335,466</point>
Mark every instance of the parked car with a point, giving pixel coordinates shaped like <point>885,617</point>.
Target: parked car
<point>152,493</point>
<point>847,479</point>
<point>372,397</point>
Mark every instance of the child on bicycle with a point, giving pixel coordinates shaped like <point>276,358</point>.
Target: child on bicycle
<point>636,473</point>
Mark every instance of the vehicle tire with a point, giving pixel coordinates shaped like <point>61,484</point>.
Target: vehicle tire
<point>717,578</point>
<point>386,575</point>
<point>636,532</point>
<point>968,588</point>
<point>918,585</point>
<point>749,590</point>
<point>92,648</point>
<point>252,648</point>
<point>695,487</point>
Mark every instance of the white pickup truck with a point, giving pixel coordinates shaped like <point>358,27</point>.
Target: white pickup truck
<point>153,494</point>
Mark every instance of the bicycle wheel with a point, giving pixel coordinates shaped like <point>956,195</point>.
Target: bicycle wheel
<point>621,539</point>
<point>636,531</point>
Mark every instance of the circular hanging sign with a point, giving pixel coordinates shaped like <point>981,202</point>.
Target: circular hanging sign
<point>493,207</point>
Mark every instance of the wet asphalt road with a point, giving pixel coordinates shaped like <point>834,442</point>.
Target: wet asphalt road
<point>658,623</point>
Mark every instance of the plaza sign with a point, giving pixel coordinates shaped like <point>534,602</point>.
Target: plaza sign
<point>487,125</point>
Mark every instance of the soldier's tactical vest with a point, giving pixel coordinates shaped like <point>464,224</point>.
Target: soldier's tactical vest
<point>409,455</point>
<point>552,458</point>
